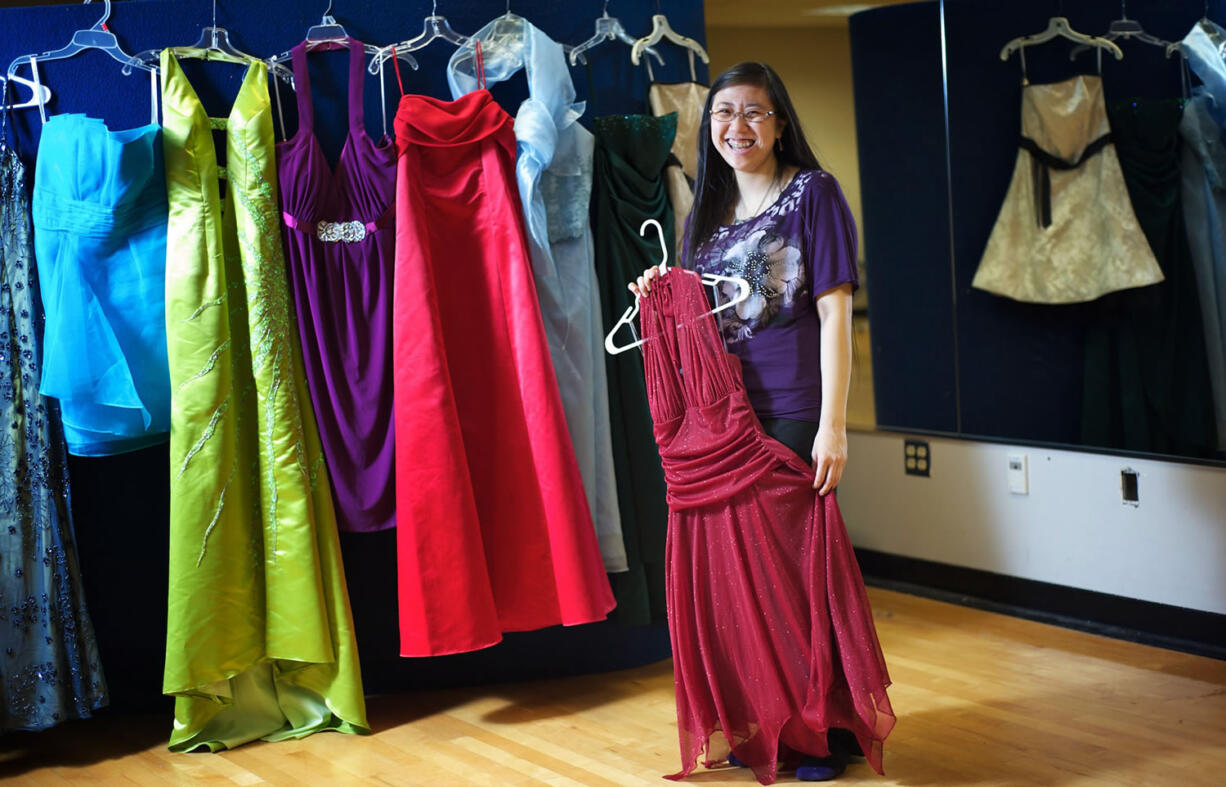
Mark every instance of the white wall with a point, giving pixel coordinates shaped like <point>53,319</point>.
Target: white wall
<point>1072,529</point>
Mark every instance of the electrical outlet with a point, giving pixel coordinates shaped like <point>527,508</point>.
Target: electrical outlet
<point>1019,474</point>
<point>917,459</point>
<point>1130,487</point>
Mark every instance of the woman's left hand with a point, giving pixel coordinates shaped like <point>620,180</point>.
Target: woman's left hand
<point>829,458</point>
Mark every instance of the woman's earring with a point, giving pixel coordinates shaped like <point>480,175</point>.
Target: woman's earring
<point>779,144</point>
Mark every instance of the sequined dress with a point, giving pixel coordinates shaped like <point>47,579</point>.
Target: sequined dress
<point>260,640</point>
<point>772,635</point>
<point>49,668</point>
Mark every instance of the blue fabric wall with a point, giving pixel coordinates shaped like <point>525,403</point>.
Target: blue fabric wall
<point>121,504</point>
<point>900,128</point>
<point>1018,371</point>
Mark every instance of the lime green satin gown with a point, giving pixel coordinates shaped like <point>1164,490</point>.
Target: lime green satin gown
<point>260,640</point>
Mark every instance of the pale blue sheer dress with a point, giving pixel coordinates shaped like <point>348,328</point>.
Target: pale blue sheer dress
<point>1203,173</point>
<point>100,213</point>
<point>554,170</point>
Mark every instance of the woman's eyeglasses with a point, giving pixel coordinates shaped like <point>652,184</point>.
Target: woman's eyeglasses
<point>726,115</point>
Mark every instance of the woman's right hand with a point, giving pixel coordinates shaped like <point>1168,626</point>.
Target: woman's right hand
<point>643,285</point>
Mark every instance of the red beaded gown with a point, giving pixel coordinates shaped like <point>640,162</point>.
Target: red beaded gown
<point>494,532</point>
<point>772,634</point>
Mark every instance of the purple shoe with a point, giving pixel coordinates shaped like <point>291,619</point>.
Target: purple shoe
<point>820,769</point>
<point>735,761</point>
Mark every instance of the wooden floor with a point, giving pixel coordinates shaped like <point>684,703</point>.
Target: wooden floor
<point>981,699</point>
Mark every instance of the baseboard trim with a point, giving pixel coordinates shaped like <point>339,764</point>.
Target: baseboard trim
<point>1162,625</point>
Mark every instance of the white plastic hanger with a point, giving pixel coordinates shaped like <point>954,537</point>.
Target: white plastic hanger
<point>661,30</point>
<point>1128,30</point>
<point>433,27</point>
<point>1058,27</point>
<point>608,28</point>
<point>97,37</point>
<point>332,35</point>
<point>708,279</point>
<point>40,94</point>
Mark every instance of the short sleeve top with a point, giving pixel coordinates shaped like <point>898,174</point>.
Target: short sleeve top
<point>801,246</point>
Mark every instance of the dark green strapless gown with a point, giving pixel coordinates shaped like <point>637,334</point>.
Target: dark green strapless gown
<point>628,188</point>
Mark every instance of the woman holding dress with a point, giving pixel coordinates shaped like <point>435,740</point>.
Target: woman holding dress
<point>807,687</point>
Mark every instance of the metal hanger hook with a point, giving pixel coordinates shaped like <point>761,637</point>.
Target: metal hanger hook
<point>434,8</point>
<point>328,11</point>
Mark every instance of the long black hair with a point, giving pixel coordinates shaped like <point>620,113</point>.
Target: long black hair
<point>715,188</point>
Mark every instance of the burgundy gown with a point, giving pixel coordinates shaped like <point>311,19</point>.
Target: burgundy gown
<point>494,532</point>
<point>772,634</point>
<point>339,244</point>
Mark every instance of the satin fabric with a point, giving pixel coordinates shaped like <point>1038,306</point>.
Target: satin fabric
<point>493,532</point>
<point>99,213</point>
<point>631,151</point>
<point>553,170</point>
<point>49,668</point>
<point>343,298</point>
<point>772,634</point>
<point>687,99</point>
<point>260,639</point>
<point>1094,244</point>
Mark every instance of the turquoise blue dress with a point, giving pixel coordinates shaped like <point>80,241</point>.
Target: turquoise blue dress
<point>49,668</point>
<point>100,241</point>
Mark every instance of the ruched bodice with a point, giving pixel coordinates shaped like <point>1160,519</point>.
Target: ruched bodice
<point>711,443</point>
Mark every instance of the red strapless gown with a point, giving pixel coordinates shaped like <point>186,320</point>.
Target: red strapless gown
<point>773,638</point>
<point>493,529</point>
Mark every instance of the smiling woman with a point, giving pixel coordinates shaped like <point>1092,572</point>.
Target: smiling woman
<point>766,211</point>
<point>756,543</point>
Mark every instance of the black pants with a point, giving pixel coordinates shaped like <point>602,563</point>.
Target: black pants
<point>797,435</point>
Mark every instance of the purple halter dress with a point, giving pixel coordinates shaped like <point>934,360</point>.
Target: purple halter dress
<point>340,245</point>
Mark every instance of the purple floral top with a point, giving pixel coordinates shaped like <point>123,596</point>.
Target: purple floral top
<point>798,248</point>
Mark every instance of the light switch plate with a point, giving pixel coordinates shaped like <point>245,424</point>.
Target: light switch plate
<point>1019,475</point>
